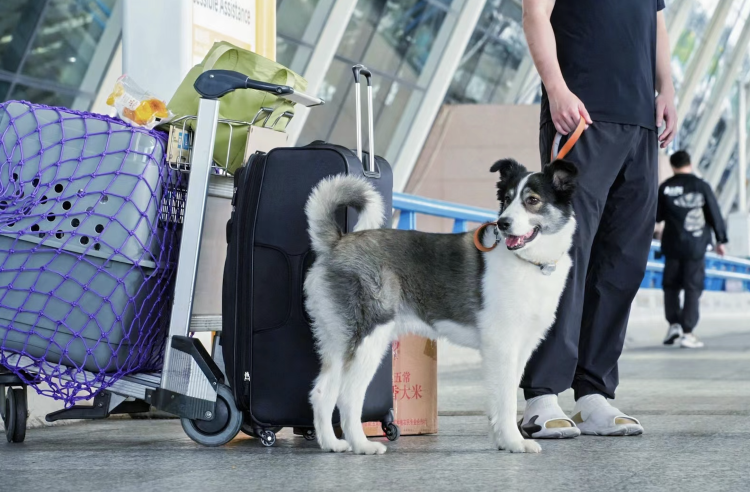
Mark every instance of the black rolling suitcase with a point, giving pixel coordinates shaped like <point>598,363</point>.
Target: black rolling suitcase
<point>267,342</point>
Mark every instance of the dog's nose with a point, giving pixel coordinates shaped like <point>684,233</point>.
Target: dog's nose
<point>504,223</point>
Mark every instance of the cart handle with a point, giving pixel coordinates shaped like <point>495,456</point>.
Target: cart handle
<point>213,84</point>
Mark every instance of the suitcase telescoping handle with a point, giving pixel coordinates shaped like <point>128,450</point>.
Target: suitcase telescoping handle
<point>212,84</point>
<point>361,70</point>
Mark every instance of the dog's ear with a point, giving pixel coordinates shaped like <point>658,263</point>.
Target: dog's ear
<point>563,175</point>
<point>508,168</point>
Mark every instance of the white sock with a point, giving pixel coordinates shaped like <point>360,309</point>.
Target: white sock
<point>542,401</point>
<point>587,404</point>
<point>546,407</point>
<point>544,419</point>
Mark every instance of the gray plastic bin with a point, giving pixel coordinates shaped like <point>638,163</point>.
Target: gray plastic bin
<point>58,174</point>
<point>71,321</point>
<point>80,201</point>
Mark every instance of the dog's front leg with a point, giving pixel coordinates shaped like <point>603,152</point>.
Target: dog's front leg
<point>500,367</point>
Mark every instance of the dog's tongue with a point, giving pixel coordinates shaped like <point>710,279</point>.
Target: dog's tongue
<point>516,241</point>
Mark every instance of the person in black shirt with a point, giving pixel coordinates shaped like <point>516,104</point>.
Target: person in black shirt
<point>608,62</point>
<point>688,208</point>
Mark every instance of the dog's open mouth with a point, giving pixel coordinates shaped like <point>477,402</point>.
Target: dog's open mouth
<point>518,242</point>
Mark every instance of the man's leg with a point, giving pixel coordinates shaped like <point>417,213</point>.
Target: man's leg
<point>693,274</point>
<point>616,268</point>
<point>672,284</point>
<point>599,155</point>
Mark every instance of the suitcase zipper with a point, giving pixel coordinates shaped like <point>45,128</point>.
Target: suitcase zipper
<point>243,319</point>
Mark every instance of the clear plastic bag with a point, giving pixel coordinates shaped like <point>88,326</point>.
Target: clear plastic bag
<point>136,106</point>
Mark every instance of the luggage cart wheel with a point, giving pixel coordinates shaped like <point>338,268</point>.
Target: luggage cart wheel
<point>2,403</point>
<point>392,431</point>
<point>268,437</point>
<point>222,428</point>
<point>310,435</point>
<point>15,415</point>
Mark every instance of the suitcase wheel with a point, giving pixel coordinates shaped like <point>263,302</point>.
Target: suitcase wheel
<point>253,430</point>
<point>15,414</point>
<point>307,433</point>
<point>224,426</point>
<point>392,431</point>
<point>268,437</point>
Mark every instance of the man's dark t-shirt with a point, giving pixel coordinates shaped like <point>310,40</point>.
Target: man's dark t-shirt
<point>689,210</point>
<point>607,55</point>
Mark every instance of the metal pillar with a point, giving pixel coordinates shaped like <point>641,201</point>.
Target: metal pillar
<point>720,160</point>
<point>143,30</point>
<point>742,137</point>
<point>697,68</point>
<point>315,26</point>
<point>102,59</point>
<point>677,17</point>
<point>419,128</point>
<point>712,113</point>
<point>526,71</point>
<point>321,59</point>
<point>736,190</point>
<point>726,198</point>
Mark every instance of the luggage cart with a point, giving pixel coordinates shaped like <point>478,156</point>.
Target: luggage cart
<point>191,385</point>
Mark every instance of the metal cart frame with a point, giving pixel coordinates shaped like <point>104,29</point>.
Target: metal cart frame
<point>191,385</point>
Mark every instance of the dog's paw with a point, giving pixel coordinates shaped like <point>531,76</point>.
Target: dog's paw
<point>369,447</point>
<point>337,446</point>
<point>520,446</point>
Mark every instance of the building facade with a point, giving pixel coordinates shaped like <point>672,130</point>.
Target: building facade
<point>423,53</point>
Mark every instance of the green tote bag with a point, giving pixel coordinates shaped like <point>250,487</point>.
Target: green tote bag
<point>241,105</point>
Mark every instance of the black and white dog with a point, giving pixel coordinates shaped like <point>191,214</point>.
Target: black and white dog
<point>369,287</point>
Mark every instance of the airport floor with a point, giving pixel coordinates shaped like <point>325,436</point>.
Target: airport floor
<point>694,405</point>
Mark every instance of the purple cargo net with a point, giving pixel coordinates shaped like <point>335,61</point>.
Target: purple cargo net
<point>90,216</point>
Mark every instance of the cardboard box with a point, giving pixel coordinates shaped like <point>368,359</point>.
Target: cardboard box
<point>414,388</point>
<point>260,139</point>
<point>178,145</point>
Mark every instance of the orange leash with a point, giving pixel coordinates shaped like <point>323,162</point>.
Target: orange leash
<point>569,144</point>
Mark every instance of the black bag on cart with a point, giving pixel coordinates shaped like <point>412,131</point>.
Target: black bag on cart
<point>267,343</point>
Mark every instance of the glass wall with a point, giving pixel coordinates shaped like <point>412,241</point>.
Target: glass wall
<point>724,132</point>
<point>56,51</point>
<point>489,70</point>
<point>684,51</point>
<point>299,24</point>
<point>400,41</point>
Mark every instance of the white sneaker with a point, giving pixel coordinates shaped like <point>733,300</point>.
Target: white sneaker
<point>690,341</point>
<point>674,332</point>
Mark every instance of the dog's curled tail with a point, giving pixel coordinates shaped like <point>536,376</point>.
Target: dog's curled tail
<point>341,191</point>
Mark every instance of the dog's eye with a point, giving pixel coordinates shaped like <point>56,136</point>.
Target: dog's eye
<point>532,200</point>
<point>506,200</point>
